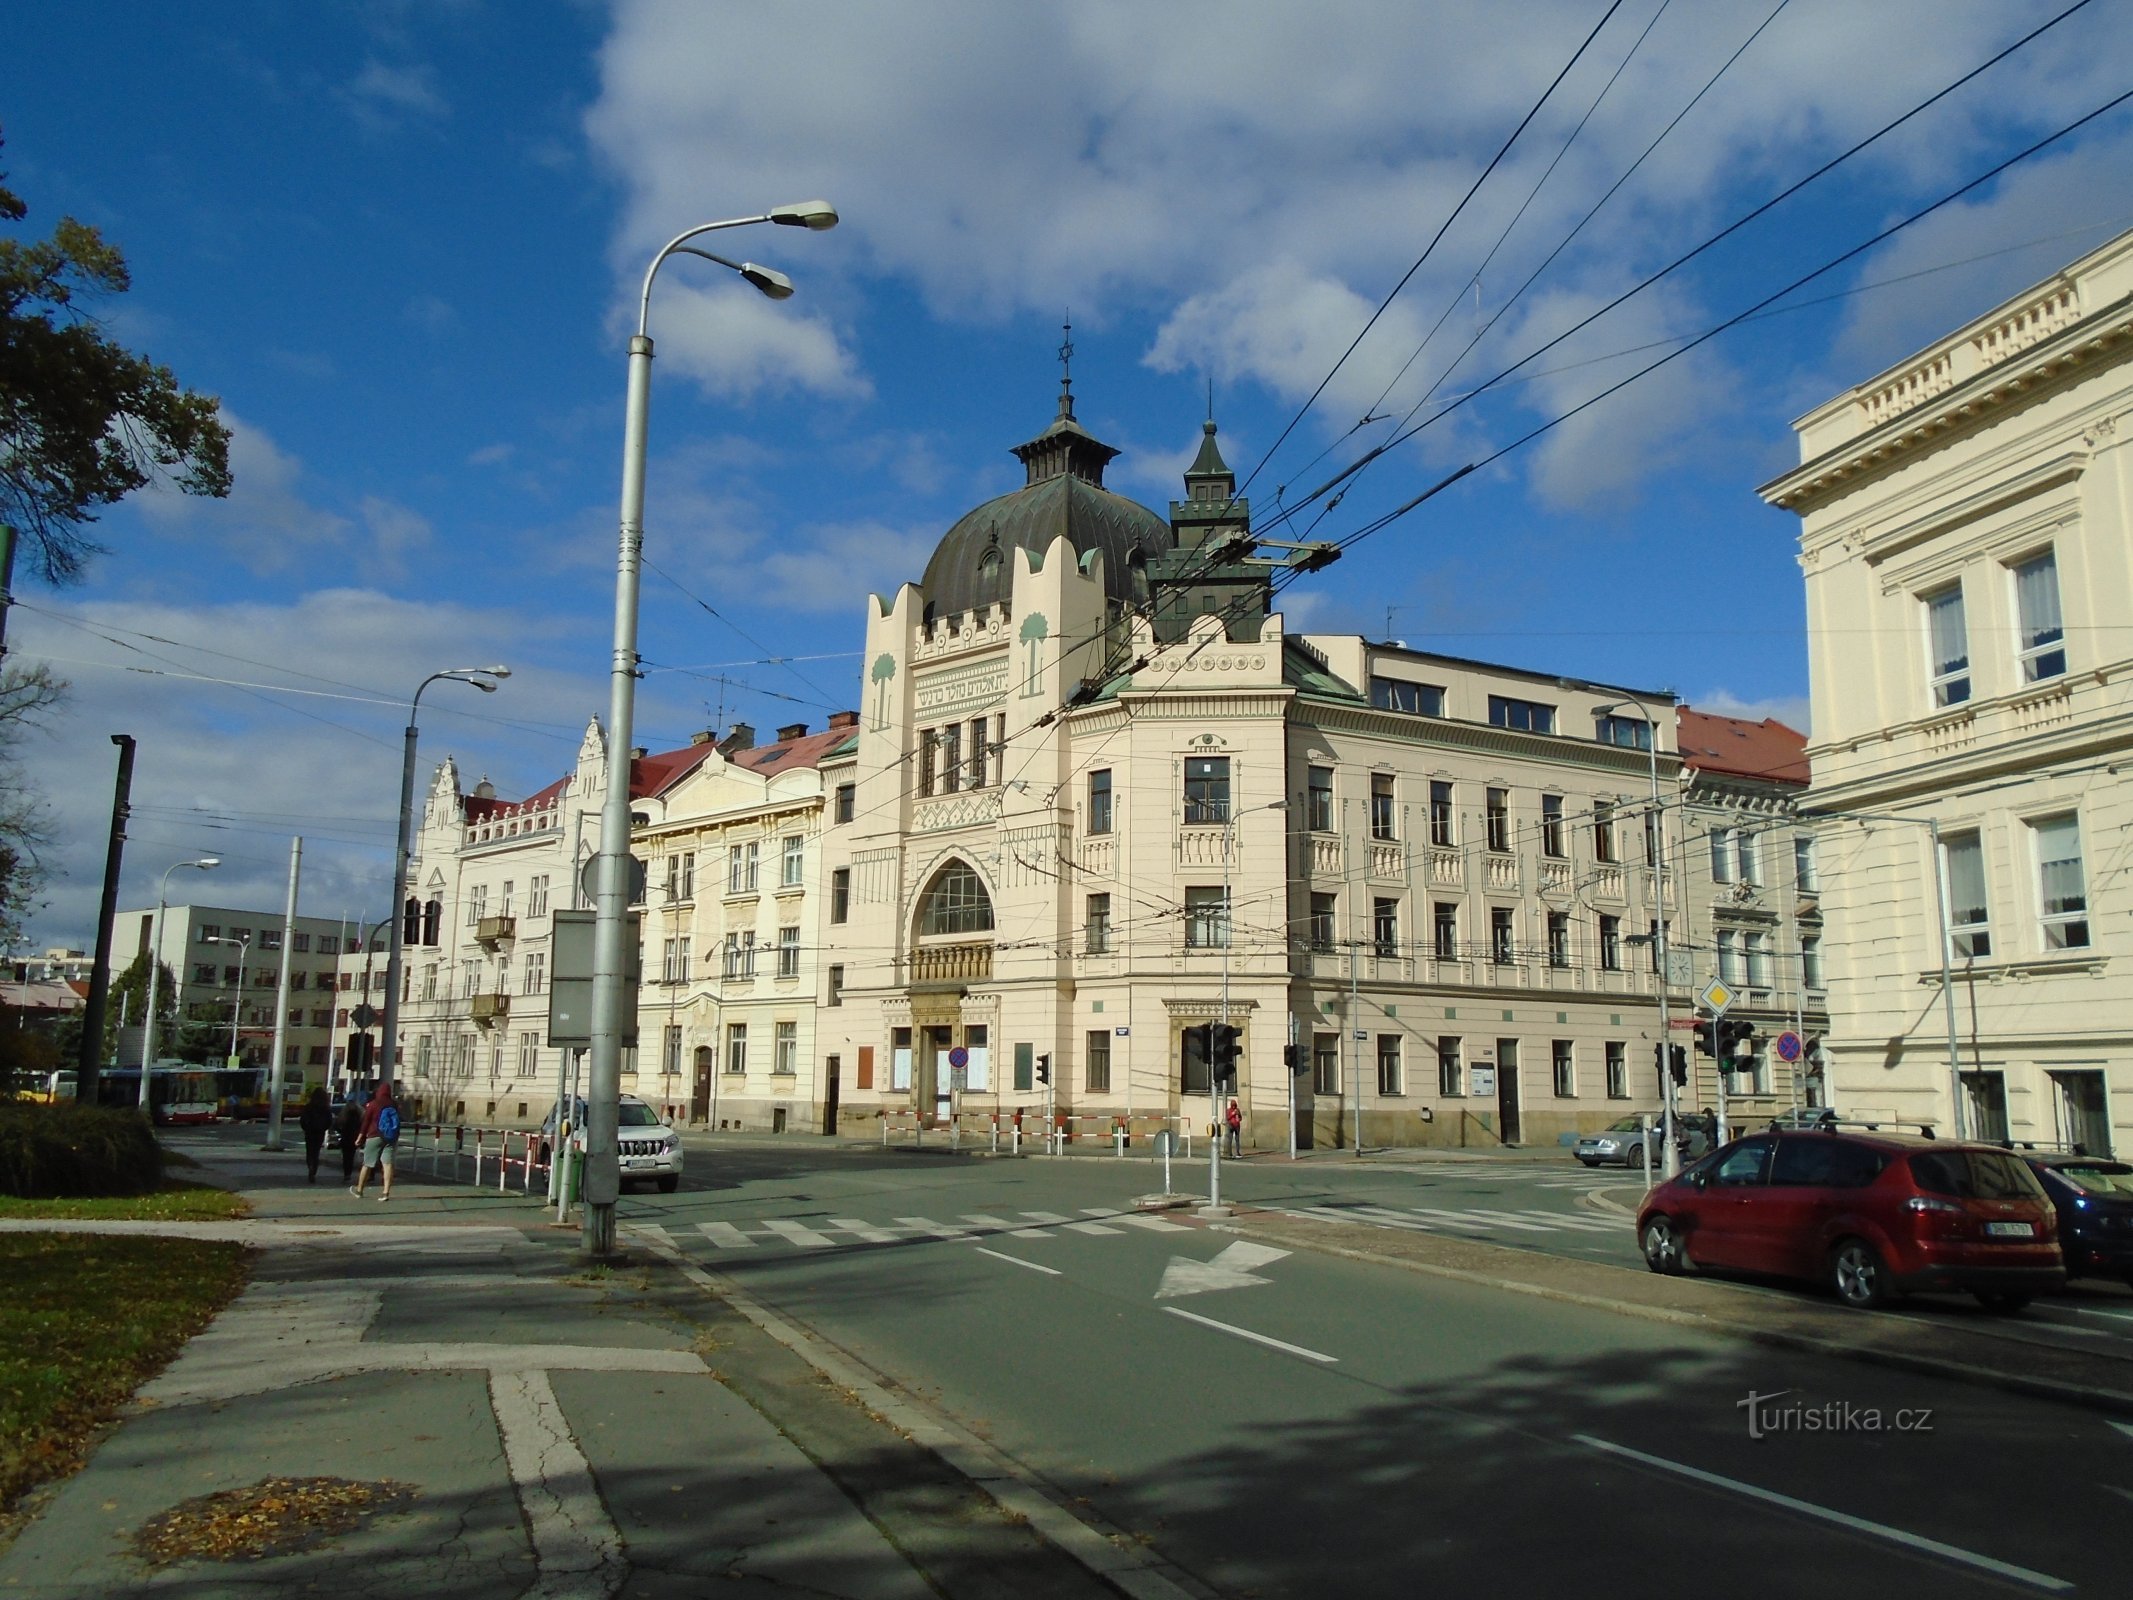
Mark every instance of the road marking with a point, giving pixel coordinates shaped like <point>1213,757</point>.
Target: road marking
<point>2125,1428</point>
<point>865,1232</point>
<point>1134,1219</point>
<point>725,1235</point>
<point>1049,1272</point>
<point>1843,1519</point>
<point>938,1230</point>
<point>2094,1311</point>
<point>576,1545</point>
<point>1002,1225</point>
<point>798,1233</point>
<point>1256,1338</point>
<point>1232,1269</point>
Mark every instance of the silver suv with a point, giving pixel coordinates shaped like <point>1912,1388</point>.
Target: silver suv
<point>649,1150</point>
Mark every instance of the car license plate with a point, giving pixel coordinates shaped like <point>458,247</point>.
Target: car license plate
<point>2011,1230</point>
<point>650,1161</point>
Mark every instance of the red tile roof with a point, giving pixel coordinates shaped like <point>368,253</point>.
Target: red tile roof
<point>786,754</point>
<point>1738,748</point>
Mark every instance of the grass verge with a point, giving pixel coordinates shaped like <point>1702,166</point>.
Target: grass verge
<point>85,1322</point>
<point>174,1202</point>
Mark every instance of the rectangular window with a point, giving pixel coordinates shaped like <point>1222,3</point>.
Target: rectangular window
<point>737,1047</point>
<point>1385,926</point>
<point>742,862</point>
<point>1610,943</point>
<point>1442,828</point>
<point>1100,801</point>
<point>209,933</point>
<point>952,758</point>
<point>1497,818</point>
<point>1603,830</point>
<point>1564,1060</point>
<point>847,801</point>
<point>477,903</point>
<point>1206,789</point>
<point>1389,1063</point>
<point>1206,919</point>
<point>537,896</point>
<point>1805,877</point>
<point>1948,644</point>
<point>674,968</point>
<point>785,1060</point>
<point>841,894</point>
<point>529,1055</point>
<point>1381,806</point>
<point>977,1072</point>
<point>329,944</point>
<point>2042,639</point>
<point>1964,855</point>
<point>836,987</point>
<point>792,862</point>
<point>536,978</point>
<point>788,952</point>
<point>977,753</point>
<point>1722,855</point>
<point>1318,800</point>
<point>1096,1067</point>
<point>2063,891</point>
<point>1451,1075</point>
<point>1552,826</point>
<point>1558,938</point>
<point>1729,956</point>
<point>1096,928</point>
<point>1399,694</point>
<point>1529,715</point>
<point>1811,961</point>
<point>929,757</point>
<point>300,943</point>
<point>1503,948</point>
<point>1631,733</point>
<point>1748,855</point>
<point>297,980</point>
<point>670,1049</point>
<point>1758,944</point>
<point>1325,1063</point>
<point>1617,1070</point>
<point>900,1061</point>
<point>1324,911</point>
<point>1444,929</point>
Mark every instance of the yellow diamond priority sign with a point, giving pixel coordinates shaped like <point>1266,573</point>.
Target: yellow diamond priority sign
<point>1716,996</point>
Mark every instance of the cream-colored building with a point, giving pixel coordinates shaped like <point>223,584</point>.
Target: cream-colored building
<point>1100,798</point>
<point>1969,566</point>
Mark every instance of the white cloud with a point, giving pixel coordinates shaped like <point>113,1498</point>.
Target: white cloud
<point>736,343</point>
<point>382,95</point>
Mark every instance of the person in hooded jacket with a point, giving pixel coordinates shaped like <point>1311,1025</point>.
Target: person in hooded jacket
<point>381,1131</point>
<point>351,1130</point>
<point>315,1119</point>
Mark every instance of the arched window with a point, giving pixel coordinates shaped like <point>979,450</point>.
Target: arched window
<point>955,902</point>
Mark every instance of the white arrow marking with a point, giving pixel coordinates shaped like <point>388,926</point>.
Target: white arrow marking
<point>1232,1269</point>
<point>2125,1428</point>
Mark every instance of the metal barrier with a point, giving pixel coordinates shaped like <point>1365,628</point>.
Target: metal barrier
<point>442,1150</point>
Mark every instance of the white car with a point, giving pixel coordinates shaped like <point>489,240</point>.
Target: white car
<point>649,1150</point>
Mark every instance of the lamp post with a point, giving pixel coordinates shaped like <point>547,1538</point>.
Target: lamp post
<point>610,911</point>
<point>155,964</point>
<point>485,679</point>
<point>244,947</point>
<point>1229,935</point>
<point>1670,1152</point>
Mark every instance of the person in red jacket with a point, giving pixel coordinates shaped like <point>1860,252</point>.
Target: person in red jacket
<point>381,1131</point>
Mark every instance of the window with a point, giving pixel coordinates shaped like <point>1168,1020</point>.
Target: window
<point>1558,938</point>
<point>1631,733</point>
<point>1206,789</point>
<point>1451,1076</point>
<point>792,863</point>
<point>1529,715</point>
<point>1610,943</point>
<point>209,933</point>
<point>1398,694</point>
<point>1444,929</point>
<point>301,944</point>
<point>951,758</point>
<point>1564,1056</point>
<point>1947,641</point>
<point>674,965</point>
<point>537,896</point>
<point>955,902</point>
<point>429,981</point>
<point>1748,855</point>
<point>1965,859</point>
<point>788,952</point>
<point>900,1060</point>
<point>2064,894</point>
<point>847,801</point>
<point>1552,826</point>
<point>536,978</point>
<point>1100,801</point>
<point>1325,1063</point>
<point>741,864</point>
<point>1096,1065</point>
<point>836,986</point>
<point>1617,1070</point>
<point>477,903</point>
<point>1385,926</point>
<point>1318,800</point>
<point>1206,919</point>
<point>298,980</point>
<point>738,957</point>
<point>1758,960</point>
<point>1811,960</point>
<point>203,972</point>
<point>1502,946</point>
<point>1096,926</point>
<point>2042,640</point>
<point>1497,818</point>
<point>503,908</point>
<point>1603,830</point>
<point>840,894</point>
<point>1804,875</point>
<point>270,938</point>
<point>328,944</point>
<point>1324,910</point>
<point>1722,855</point>
<point>977,753</point>
<point>1441,827</point>
<point>736,1047</point>
<point>1389,1063</point>
<point>529,1055</point>
<point>785,1058</point>
<point>1729,956</point>
<point>1381,812</point>
<point>670,1049</point>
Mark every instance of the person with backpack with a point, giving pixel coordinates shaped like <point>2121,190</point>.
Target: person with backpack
<point>381,1131</point>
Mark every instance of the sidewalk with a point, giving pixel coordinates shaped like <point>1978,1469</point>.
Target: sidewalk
<point>529,1428</point>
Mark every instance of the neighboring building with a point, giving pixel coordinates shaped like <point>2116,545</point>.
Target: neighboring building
<point>1754,906</point>
<point>1056,839</point>
<point>58,964</point>
<point>1969,561</point>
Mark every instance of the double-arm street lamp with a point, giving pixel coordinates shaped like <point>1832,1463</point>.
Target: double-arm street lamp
<point>1229,938</point>
<point>610,910</point>
<point>155,965</point>
<point>485,679</point>
<point>244,948</point>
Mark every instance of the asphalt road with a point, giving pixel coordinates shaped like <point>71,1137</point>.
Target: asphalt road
<point>1306,1425</point>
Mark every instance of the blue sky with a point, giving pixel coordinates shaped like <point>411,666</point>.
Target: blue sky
<point>402,242</point>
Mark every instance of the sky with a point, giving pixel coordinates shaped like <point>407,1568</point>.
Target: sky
<point>403,240</point>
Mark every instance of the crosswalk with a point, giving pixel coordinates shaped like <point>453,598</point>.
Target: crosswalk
<point>824,1233</point>
<point>1466,1221</point>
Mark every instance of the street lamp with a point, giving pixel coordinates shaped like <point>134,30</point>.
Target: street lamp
<point>155,964</point>
<point>244,947</point>
<point>1670,1152</point>
<point>1229,936</point>
<point>485,679</point>
<point>610,911</point>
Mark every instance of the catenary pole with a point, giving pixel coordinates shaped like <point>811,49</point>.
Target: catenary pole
<point>92,1033</point>
<point>281,998</point>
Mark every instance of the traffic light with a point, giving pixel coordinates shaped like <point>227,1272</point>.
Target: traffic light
<point>411,921</point>
<point>1678,1060</point>
<point>1222,1053</point>
<point>1736,1045</point>
<point>1199,1049</point>
<point>1044,1069</point>
<point>1707,1037</point>
<point>1295,1058</point>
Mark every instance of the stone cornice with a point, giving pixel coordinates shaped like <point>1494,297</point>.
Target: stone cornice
<point>1485,739</point>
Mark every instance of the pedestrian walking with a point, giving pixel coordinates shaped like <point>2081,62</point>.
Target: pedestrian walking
<point>315,1119</point>
<point>381,1131</point>
<point>351,1127</point>
<point>1233,1120</point>
<point>1710,1130</point>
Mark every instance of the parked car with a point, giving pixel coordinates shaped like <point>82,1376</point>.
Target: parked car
<point>2094,1198</point>
<point>1620,1143</point>
<point>1874,1215</point>
<point>649,1150</point>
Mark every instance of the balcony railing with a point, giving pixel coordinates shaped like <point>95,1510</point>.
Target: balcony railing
<point>490,1008</point>
<point>948,963</point>
<point>494,930</point>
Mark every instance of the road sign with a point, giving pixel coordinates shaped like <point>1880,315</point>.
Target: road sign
<point>1716,996</point>
<point>1788,1046</point>
<point>365,1015</point>
<point>1362,1035</point>
<point>959,1058</point>
<point>1122,1032</point>
<point>1685,1024</point>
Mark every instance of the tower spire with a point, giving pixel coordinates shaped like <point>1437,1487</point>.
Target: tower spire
<point>1066,367</point>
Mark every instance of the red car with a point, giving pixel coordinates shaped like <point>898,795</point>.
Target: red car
<point>1874,1215</point>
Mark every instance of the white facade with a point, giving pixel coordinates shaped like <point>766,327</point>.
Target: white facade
<point>1969,567</point>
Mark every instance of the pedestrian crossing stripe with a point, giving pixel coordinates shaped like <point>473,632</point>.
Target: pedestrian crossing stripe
<point>1472,1220</point>
<point>827,1233</point>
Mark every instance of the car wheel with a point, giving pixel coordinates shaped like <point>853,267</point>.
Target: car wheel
<point>1633,1156</point>
<point>2002,1300</point>
<point>669,1184</point>
<point>1662,1247</point>
<point>1858,1276</point>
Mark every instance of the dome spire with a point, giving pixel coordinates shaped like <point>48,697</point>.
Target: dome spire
<point>1065,447</point>
<point>1066,369</point>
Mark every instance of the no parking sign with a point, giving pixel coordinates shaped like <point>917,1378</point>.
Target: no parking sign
<point>1788,1046</point>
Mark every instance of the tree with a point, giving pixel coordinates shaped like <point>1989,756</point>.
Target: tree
<point>28,695</point>
<point>84,422</point>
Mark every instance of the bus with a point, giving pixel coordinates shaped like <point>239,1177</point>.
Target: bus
<point>179,1092</point>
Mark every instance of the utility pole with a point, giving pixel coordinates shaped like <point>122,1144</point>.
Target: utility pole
<point>92,1033</point>
<point>281,999</point>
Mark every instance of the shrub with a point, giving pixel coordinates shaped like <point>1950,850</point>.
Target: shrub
<point>66,1150</point>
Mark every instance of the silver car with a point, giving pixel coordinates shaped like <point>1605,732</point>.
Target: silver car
<point>647,1150</point>
<point>1620,1144</point>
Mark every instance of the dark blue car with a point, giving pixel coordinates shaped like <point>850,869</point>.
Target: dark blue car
<point>2094,1198</point>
